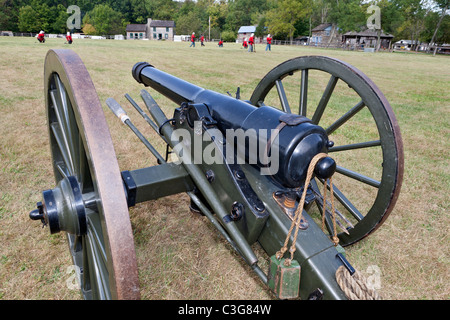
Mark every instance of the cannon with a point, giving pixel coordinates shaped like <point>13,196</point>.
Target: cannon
<point>258,169</point>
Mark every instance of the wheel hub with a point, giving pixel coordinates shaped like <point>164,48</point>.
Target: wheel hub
<point>62,208</point>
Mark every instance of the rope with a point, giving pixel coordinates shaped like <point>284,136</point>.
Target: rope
<point>333,212</point>
<point>298,213</point>
<point>355,286</point>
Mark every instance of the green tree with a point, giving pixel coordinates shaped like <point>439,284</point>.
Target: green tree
<point>217,11</point>
<point>105,20</point>
<point>347,15</point>
<point>191,22</point>
<point>391,16</point>
<point>414,13</point>
<point>60,23</point>
<point>243,13</point>
<point>163,9</point>
<point>28,20</point>
<point>9,13</point>
<point>283,18</point>
<point>261,28</point>
<point>35,17</point>
<point>443,6</point>
<point>228,36</point>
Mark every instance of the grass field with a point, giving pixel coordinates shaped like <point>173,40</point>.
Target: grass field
<point>180,256</point>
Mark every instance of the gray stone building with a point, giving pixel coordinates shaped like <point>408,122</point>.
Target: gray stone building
<point>152,30</point>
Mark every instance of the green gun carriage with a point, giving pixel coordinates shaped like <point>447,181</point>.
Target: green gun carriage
<point>255,186</point>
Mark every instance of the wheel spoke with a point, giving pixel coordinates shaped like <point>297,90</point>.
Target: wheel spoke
<point>61,141</point>
<point>328,215</point>
<point>77,244</point>
<point>320,206</point>
<point>62,169</point>
<point>96,237</point>
<point>56,103</point>
<point>303,93</point>
<point>282,96</point>
<point>324,100</point>
<point>98,278</point>
<point>84,175</point>
<point>63,101</point>
<point>358,176</point>
<point>345,117</point>
<point>345,202</point>
<point>66,118</point>
<point>361,145</point>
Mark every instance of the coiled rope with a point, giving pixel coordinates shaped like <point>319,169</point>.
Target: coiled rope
<point>355,286</point>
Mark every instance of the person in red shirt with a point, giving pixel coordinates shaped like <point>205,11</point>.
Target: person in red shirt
<point>251,43</point>
<point>220,43</point>
<point>269,42</point>
<point>41,37</point>
<point>202,38</point>
<point>69,38</point>
<point>192,40</point>
<point>244,43</point>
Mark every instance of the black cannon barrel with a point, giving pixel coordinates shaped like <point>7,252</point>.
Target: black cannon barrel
<point>227,111</point>
<point>297,142</point>
<point>172,87</point>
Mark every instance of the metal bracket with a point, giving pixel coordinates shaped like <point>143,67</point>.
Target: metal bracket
<point>199,112</point>
<point>130,188</point>
<point>287,200</point>
<point>346,263</point>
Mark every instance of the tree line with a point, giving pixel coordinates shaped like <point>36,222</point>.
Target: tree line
<point>420,20</point>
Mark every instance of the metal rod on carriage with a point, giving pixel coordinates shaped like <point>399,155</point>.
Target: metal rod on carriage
<point>224,233</point>
<point>144,115</point>
<point>122,115</point>
<point>200,180</point>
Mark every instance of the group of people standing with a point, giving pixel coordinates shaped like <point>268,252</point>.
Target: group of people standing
<point>250,44</point>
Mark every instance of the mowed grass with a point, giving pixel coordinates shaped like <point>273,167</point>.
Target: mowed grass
<point>180,255</point>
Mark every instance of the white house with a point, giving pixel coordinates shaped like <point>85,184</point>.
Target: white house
<point>152,30</point>
<point>161,29</point>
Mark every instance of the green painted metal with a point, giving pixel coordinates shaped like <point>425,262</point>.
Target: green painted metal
<point>312,244</point>
<point>284,280</point>
<point>200,180</point>
<point>160,181</point>
<point>390,143</point>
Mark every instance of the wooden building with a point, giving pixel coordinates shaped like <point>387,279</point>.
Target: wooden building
<point>136,31</point>
<point>325,34</point>
<point>367,39</point>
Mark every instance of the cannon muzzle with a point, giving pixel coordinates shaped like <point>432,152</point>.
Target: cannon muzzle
<point>286,143</point>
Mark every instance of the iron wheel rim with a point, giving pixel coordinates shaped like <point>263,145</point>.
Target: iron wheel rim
<point>81,146</point>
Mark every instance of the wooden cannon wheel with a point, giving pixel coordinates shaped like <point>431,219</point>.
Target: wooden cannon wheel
<point>378,120</point>
<point>81,147</point>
